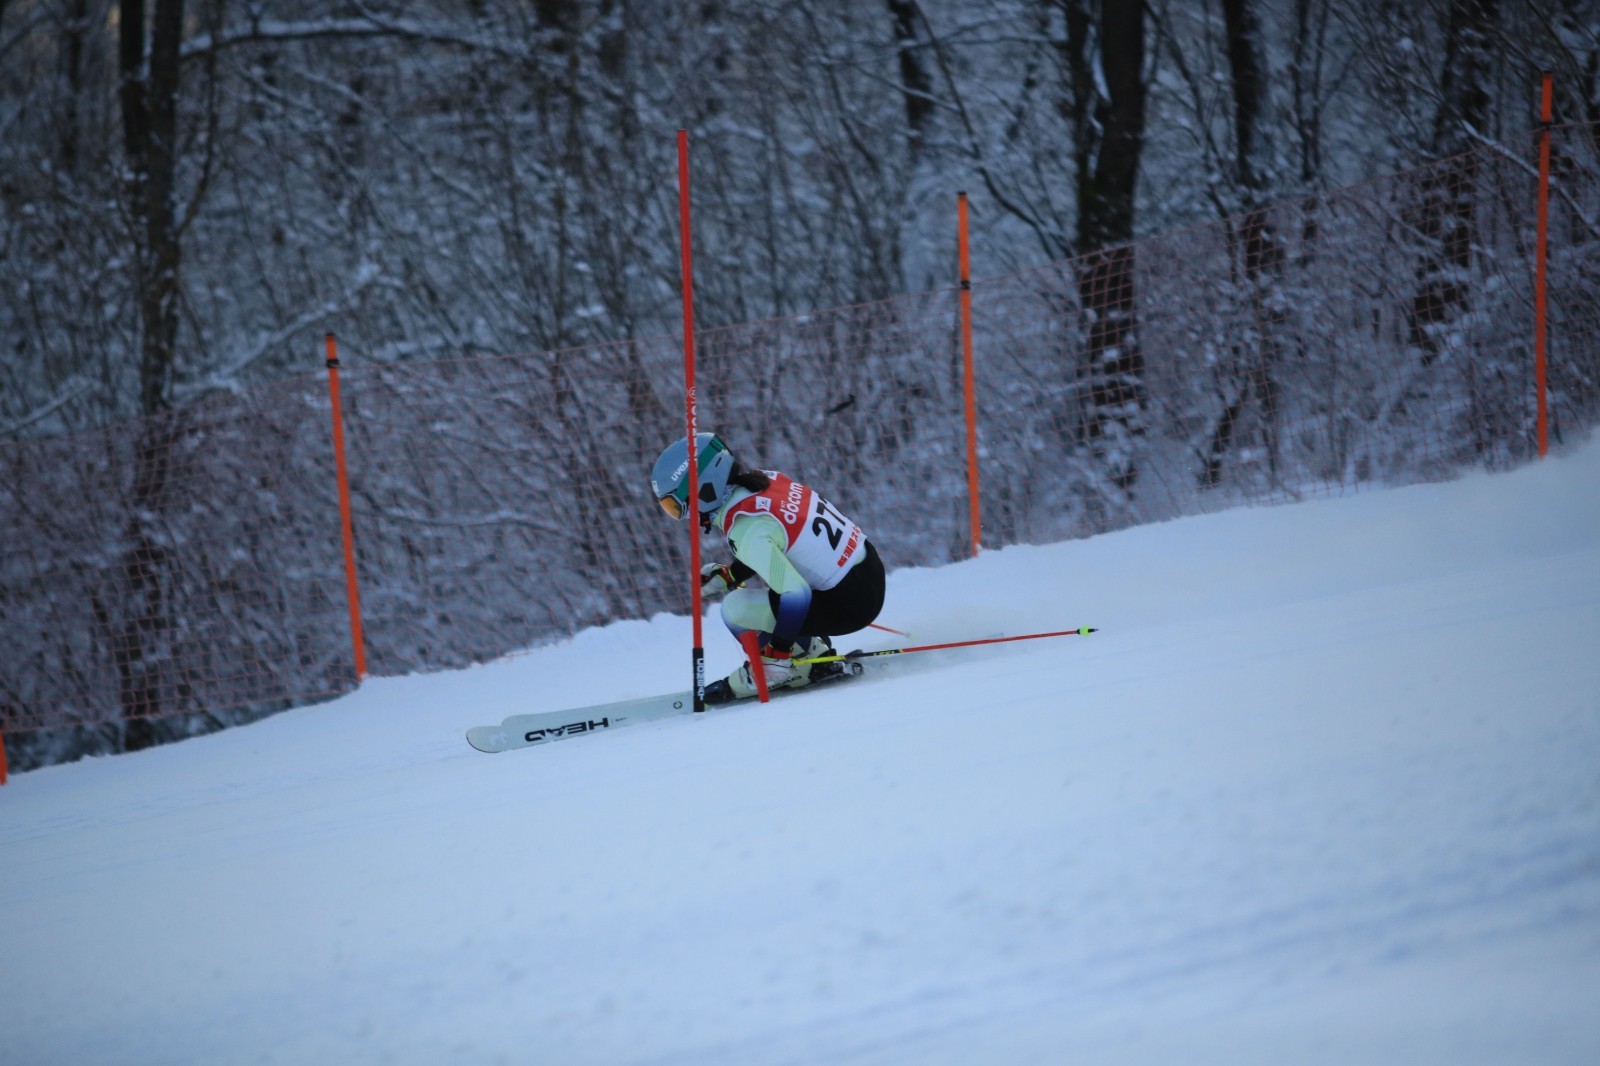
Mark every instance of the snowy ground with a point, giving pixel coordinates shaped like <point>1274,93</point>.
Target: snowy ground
<point>1325,789</point>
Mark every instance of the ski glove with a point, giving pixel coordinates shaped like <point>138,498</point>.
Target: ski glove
<point>715,578</point>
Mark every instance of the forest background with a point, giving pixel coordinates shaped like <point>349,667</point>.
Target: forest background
<point>192,191</point>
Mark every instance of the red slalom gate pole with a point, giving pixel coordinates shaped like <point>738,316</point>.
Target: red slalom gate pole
<point>352,591</point>
<point>697,658</point>
<point>967,376</point>
<point>1541,252</point>
<point>1081,631</point>
<point>758,673</point>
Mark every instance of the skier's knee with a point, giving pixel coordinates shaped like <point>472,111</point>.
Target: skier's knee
<point>748,609</point>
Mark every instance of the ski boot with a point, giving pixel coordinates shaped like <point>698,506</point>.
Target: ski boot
<point>782,671</point>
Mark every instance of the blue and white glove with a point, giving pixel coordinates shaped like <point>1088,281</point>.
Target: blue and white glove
<point>716,578</point>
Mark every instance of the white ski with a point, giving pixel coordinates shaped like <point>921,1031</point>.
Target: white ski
<point>532,730</point>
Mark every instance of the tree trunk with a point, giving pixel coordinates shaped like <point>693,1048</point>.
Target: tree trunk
<point>72,57</point>
<point>1447,211</point>
<point>149,74</point>
<point>149,127</point>
<point>915,84</point>
<point>1108,150</point>
<point>1250,382</point>
<point>1306,75</point>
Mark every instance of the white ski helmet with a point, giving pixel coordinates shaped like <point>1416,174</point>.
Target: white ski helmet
<point>669,479</point>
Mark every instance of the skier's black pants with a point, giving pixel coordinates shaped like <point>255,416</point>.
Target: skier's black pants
<point>850,605</point>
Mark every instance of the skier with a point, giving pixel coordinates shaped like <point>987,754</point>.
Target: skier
<point>823,577</point>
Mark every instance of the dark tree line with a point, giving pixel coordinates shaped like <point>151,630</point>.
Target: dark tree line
<point>194,189</point>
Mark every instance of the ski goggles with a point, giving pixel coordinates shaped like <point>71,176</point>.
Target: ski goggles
<point>671,504</point>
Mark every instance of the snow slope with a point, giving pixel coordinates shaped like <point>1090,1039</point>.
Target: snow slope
<point>1324,789</point>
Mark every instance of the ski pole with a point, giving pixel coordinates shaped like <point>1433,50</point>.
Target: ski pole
<point>1082,631</point>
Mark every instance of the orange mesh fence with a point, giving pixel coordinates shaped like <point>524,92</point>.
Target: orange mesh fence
<point>1380,335</point>
<point>174,564</point>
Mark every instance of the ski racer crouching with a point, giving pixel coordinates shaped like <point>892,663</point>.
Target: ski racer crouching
<point>823,577</point>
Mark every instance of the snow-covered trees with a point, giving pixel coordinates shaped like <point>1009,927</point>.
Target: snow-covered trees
<point>194,189</point>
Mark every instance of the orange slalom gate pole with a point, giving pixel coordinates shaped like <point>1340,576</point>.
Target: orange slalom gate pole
<point>352,591</point>
<point>1540,253</point>
<point>967,372</point>
<point>697,658</point>
<point>2,758</point>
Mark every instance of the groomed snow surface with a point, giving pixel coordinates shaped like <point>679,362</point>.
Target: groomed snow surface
<point>1324,789</point>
